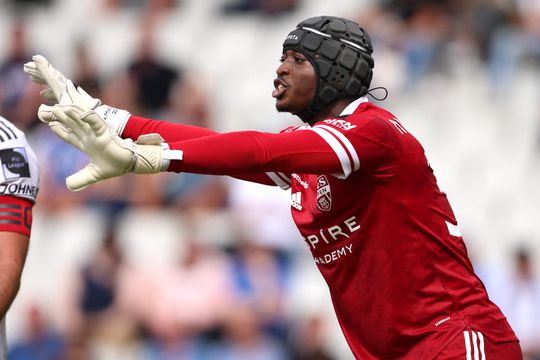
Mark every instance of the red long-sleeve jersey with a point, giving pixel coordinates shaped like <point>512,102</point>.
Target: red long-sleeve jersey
<point>380,231</point>
<point>259,157</point>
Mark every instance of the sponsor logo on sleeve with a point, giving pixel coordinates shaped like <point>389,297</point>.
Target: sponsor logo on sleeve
<point>14,163</point>
<point>302,182</point>
<point>340,124</point>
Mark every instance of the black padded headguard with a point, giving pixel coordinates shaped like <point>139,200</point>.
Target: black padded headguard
<point>340,52</point>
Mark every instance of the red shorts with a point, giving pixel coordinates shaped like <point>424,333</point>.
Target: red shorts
<point>472,345</point>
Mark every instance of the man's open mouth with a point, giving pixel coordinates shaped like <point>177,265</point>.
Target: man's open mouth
<point>280,88</point>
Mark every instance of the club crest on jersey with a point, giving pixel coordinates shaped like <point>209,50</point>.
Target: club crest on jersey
<point>324,195</point>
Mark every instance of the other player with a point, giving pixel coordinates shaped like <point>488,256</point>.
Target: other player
<point>19,178</point>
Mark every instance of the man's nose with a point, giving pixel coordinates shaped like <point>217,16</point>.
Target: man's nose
<point>283,68</point>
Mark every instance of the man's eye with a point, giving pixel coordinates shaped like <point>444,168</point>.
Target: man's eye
<point>299,59</point>
<point>282,59</point>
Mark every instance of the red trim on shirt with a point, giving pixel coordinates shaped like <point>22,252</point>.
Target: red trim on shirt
<point>15,214</point>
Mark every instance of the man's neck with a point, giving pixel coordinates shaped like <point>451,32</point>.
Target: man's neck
<point>331,110</point>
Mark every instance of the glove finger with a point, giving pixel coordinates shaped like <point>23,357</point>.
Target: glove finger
<point>48,94</point>
<point>67,96</point>
<point>50,74</point>
<point>45,113</point>
<point>73,122</point>
<point>31,70</point>
<point>87,176</point>
<point>74,94</point>
<point>94,121</point>
<point>65,134</point>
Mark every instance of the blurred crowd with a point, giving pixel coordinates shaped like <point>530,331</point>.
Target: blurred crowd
<point>227,294</point>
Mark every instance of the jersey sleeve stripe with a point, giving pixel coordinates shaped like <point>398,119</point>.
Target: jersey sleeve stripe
<point>278,180</point>
<point>346,142</point>
<point>467,345</point>
<point>9,128</point>
<point>338,149</point>
<point>285,177</point>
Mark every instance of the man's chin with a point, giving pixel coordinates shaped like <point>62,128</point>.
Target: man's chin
<point>281,107</point>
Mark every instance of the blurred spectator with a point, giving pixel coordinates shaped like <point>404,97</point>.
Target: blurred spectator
<point>99,327</point>
<point>190,104</point>
<point>424,42</point>
<point>486,18</point>
<point>519,297</point>
<point>193,192</point>
<point>173,347</point>
<point>99,282</point>
<point>264,7</point>
<point>19,97</point>
<point>308,340</point>
<point>61,161</point>
<point>25,3</point>
<point>259,276</point>
<point>178,302</point>
<point>86,74</point>
<point>513,42</point>
<point>153,79</point>
<point>40,341</point>
<point>244,337</point>
<point>152,5</point>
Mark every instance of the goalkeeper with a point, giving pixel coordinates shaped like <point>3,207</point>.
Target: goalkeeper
<point>363,195</point>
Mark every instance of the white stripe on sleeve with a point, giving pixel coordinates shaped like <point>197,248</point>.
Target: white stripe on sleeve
<point>348,145</point>
<point>338,149</point>
<point>453,229</point>
<point>475,345</point>
<point>467,345</point>
<point>285,177</point>
<point>482,351</point>
<point>278,180</point>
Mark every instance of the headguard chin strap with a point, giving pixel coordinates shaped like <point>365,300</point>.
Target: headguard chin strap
<point>340,52</point>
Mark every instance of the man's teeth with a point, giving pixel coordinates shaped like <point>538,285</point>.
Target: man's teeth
<point>280,87</point>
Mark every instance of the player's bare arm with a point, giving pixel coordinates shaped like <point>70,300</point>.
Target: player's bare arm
<point>13,250</point>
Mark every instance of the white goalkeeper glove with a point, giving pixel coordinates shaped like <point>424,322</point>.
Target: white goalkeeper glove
<point>110,155</point>
<point>65,92</point>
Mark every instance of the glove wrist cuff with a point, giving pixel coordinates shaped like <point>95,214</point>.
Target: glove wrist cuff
<point>169,155</point>
<point>116,119</point>
<point>150,159</point>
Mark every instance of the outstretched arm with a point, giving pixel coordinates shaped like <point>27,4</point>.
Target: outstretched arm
<point>170,132</point>
<point>64,91</point>
<point>250,152</point>
<point>236,153</point>
<point>243,154</point>
<point>175,133</point>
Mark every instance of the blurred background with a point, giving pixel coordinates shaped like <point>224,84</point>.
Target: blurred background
<point>194,267</point>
